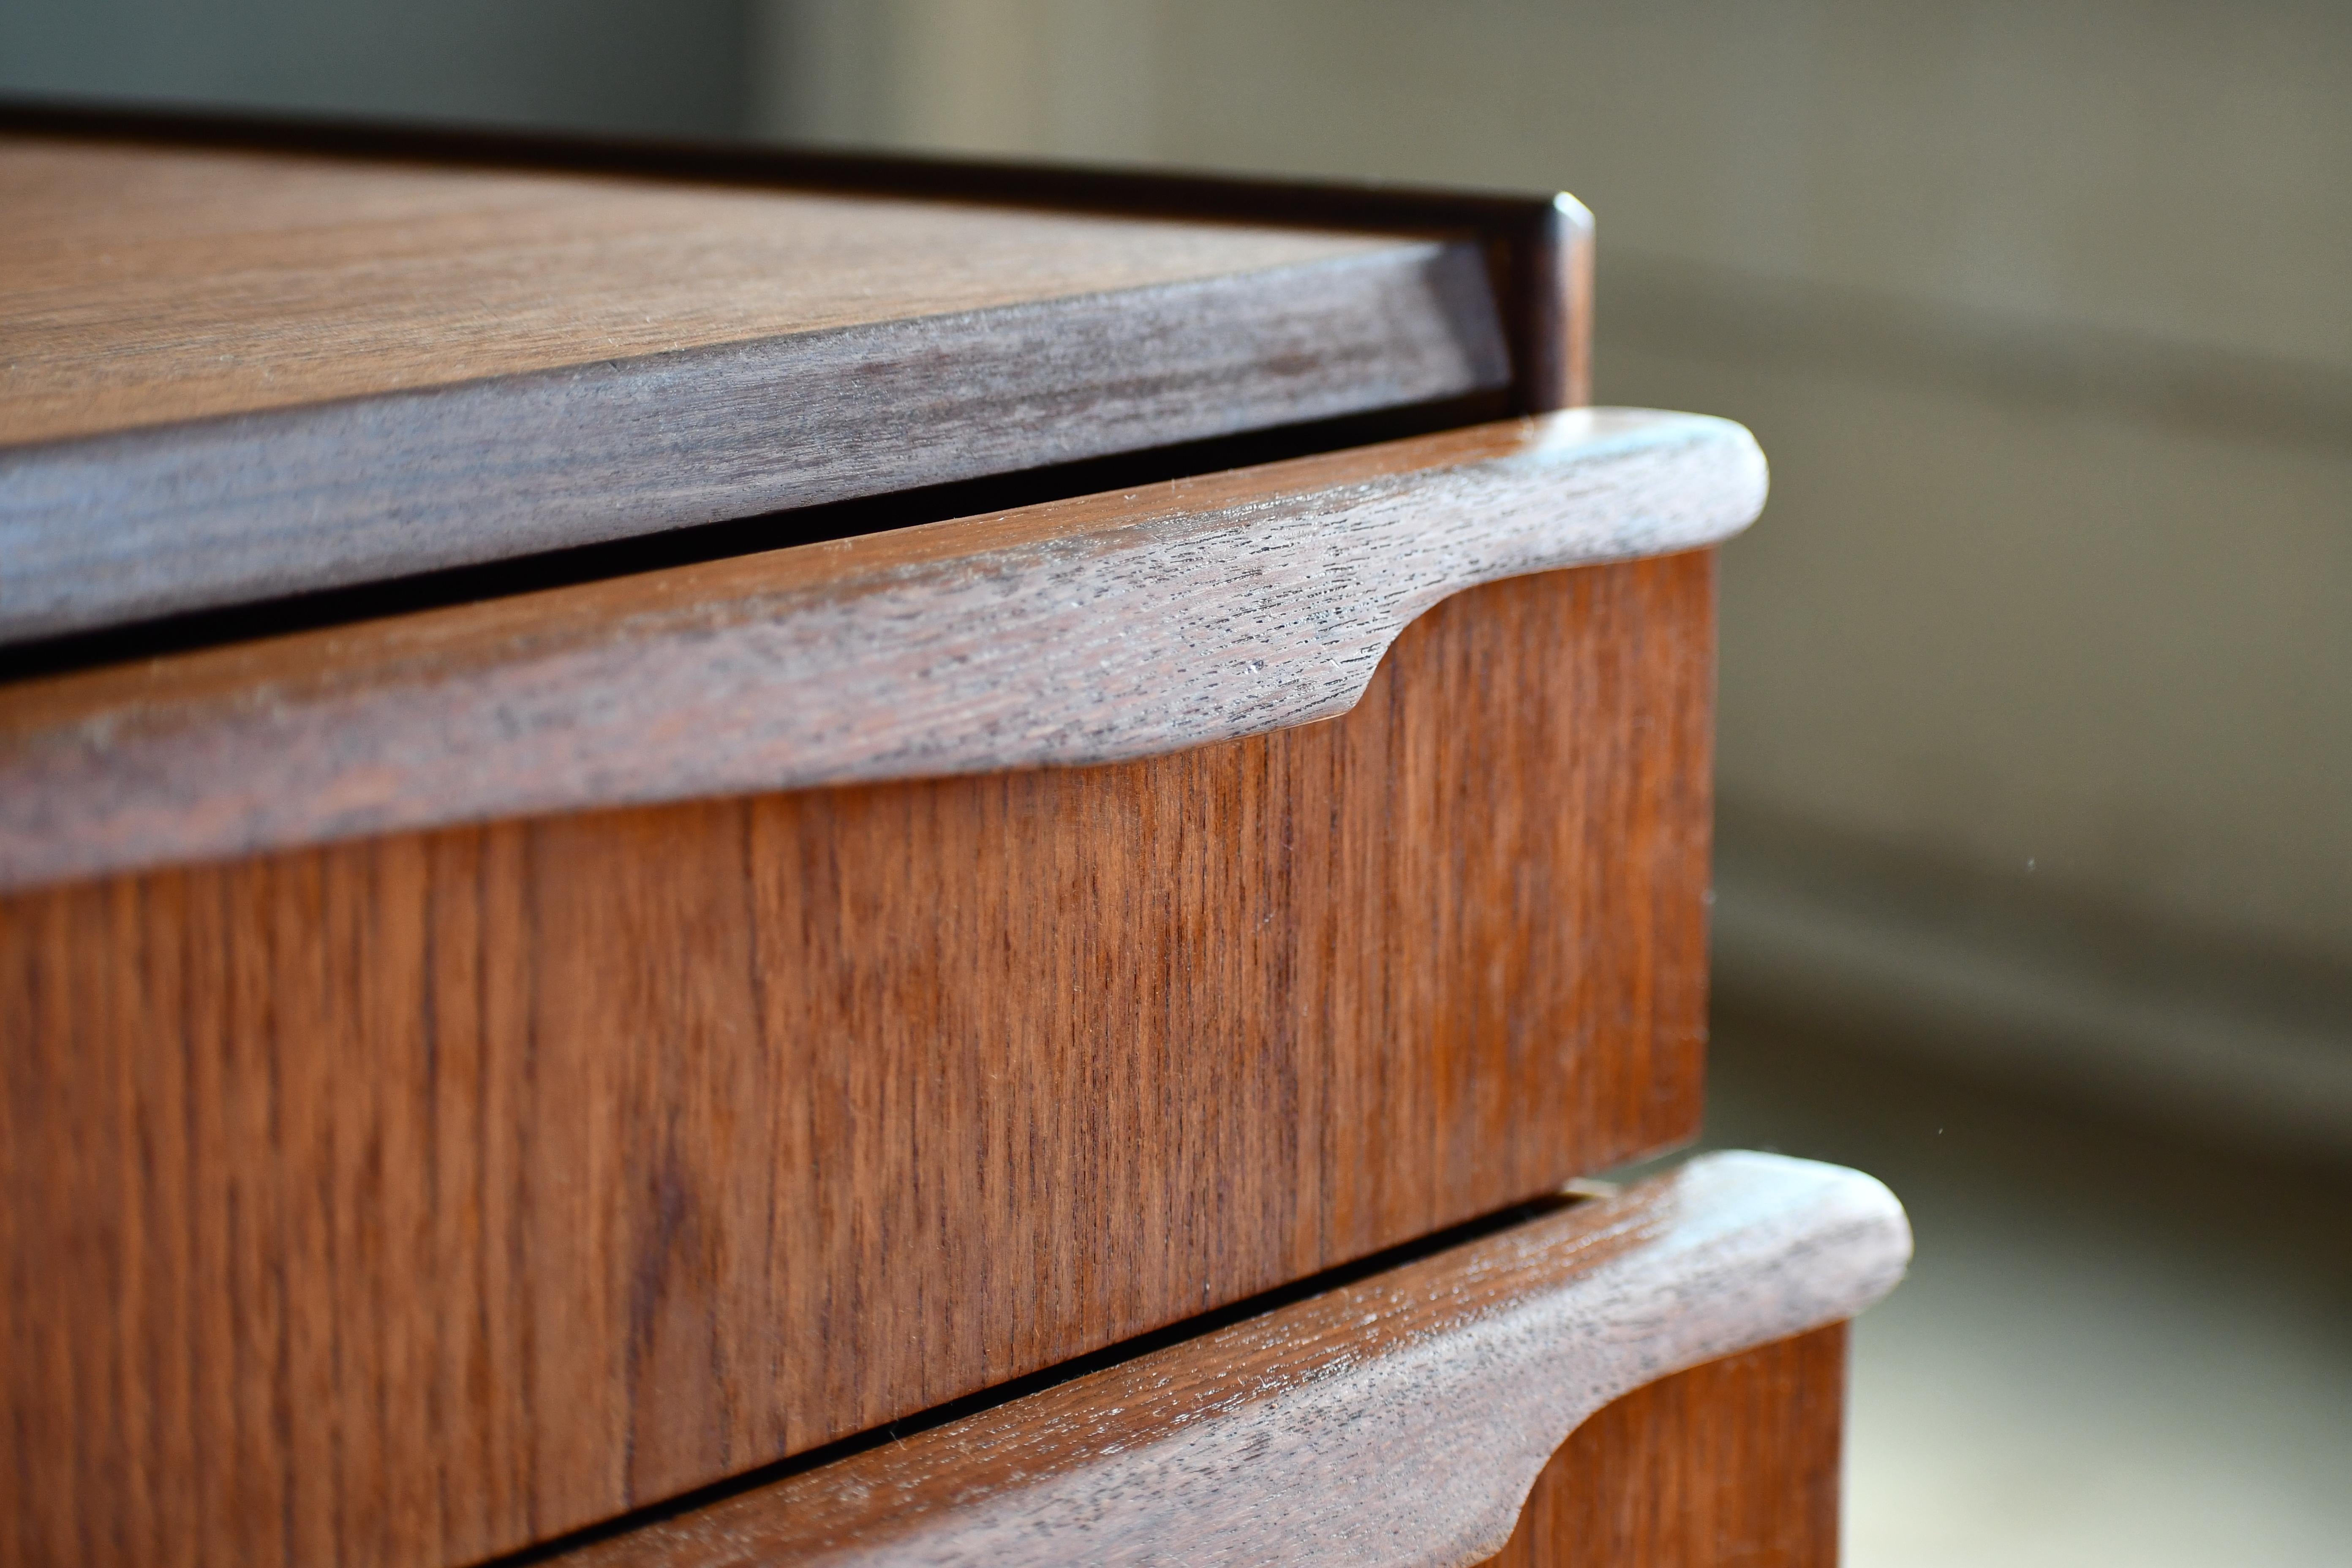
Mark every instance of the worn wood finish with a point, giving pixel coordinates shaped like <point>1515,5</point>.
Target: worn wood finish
<point>1105,629</point>
<point>1733,1464</point>
<point>414,1199</point>
<point>1398,1421</point>
<point>243,375</point>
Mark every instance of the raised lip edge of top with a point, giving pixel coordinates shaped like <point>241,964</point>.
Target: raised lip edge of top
<point>1303,1435</point>
<point>1529,337</point>
<point>1098,629</point>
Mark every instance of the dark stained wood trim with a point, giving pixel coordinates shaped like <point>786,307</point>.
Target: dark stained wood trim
<point>1546,289</point>
<point>1540,246</point>
<point>1401,1419</point>
<point>1733,1464</point>
<point>1113,627</point>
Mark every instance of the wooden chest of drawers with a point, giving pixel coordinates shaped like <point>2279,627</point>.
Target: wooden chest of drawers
<point>718,857</point>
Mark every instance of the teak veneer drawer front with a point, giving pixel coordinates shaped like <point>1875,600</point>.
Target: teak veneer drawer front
<point>426,1195</point>
<point>420,1197</point>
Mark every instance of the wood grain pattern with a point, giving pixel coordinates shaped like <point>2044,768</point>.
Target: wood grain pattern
<point>1101,629</point>
<point>418,1198</point>
<point>154,285</point>
<point>1539,246</point>
<point>1398,1421</point>
<point>242,376</point>
<point>1733,1464</point>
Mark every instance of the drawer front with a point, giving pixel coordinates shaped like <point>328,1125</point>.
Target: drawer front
<point>390,1188</point>
<point>421,1197</point>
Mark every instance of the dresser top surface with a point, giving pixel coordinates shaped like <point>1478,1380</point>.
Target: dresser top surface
<point>143,285</point>
<point>243,371</point>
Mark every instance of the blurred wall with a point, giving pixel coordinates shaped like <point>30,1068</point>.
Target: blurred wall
<point>2036,724</point>
<point>670,67</point>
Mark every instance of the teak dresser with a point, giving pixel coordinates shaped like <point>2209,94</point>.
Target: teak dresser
<point>718,857</point>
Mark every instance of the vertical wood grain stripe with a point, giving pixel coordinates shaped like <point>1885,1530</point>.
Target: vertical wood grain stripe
<point>1114,626</point>
<point>1398,1421</point>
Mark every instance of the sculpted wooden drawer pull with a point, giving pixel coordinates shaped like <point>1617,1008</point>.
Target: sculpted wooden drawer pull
<point>1111,627</point>
<point>1400,1419</point>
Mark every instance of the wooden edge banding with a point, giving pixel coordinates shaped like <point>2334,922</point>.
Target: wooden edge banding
<point>102,529</point>
<point>1108,628</point>
<point>1401,1419</point>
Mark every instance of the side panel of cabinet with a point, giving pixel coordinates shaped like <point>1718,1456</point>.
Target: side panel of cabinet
<point>415,1199</point>
<point>1733,1464</point>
